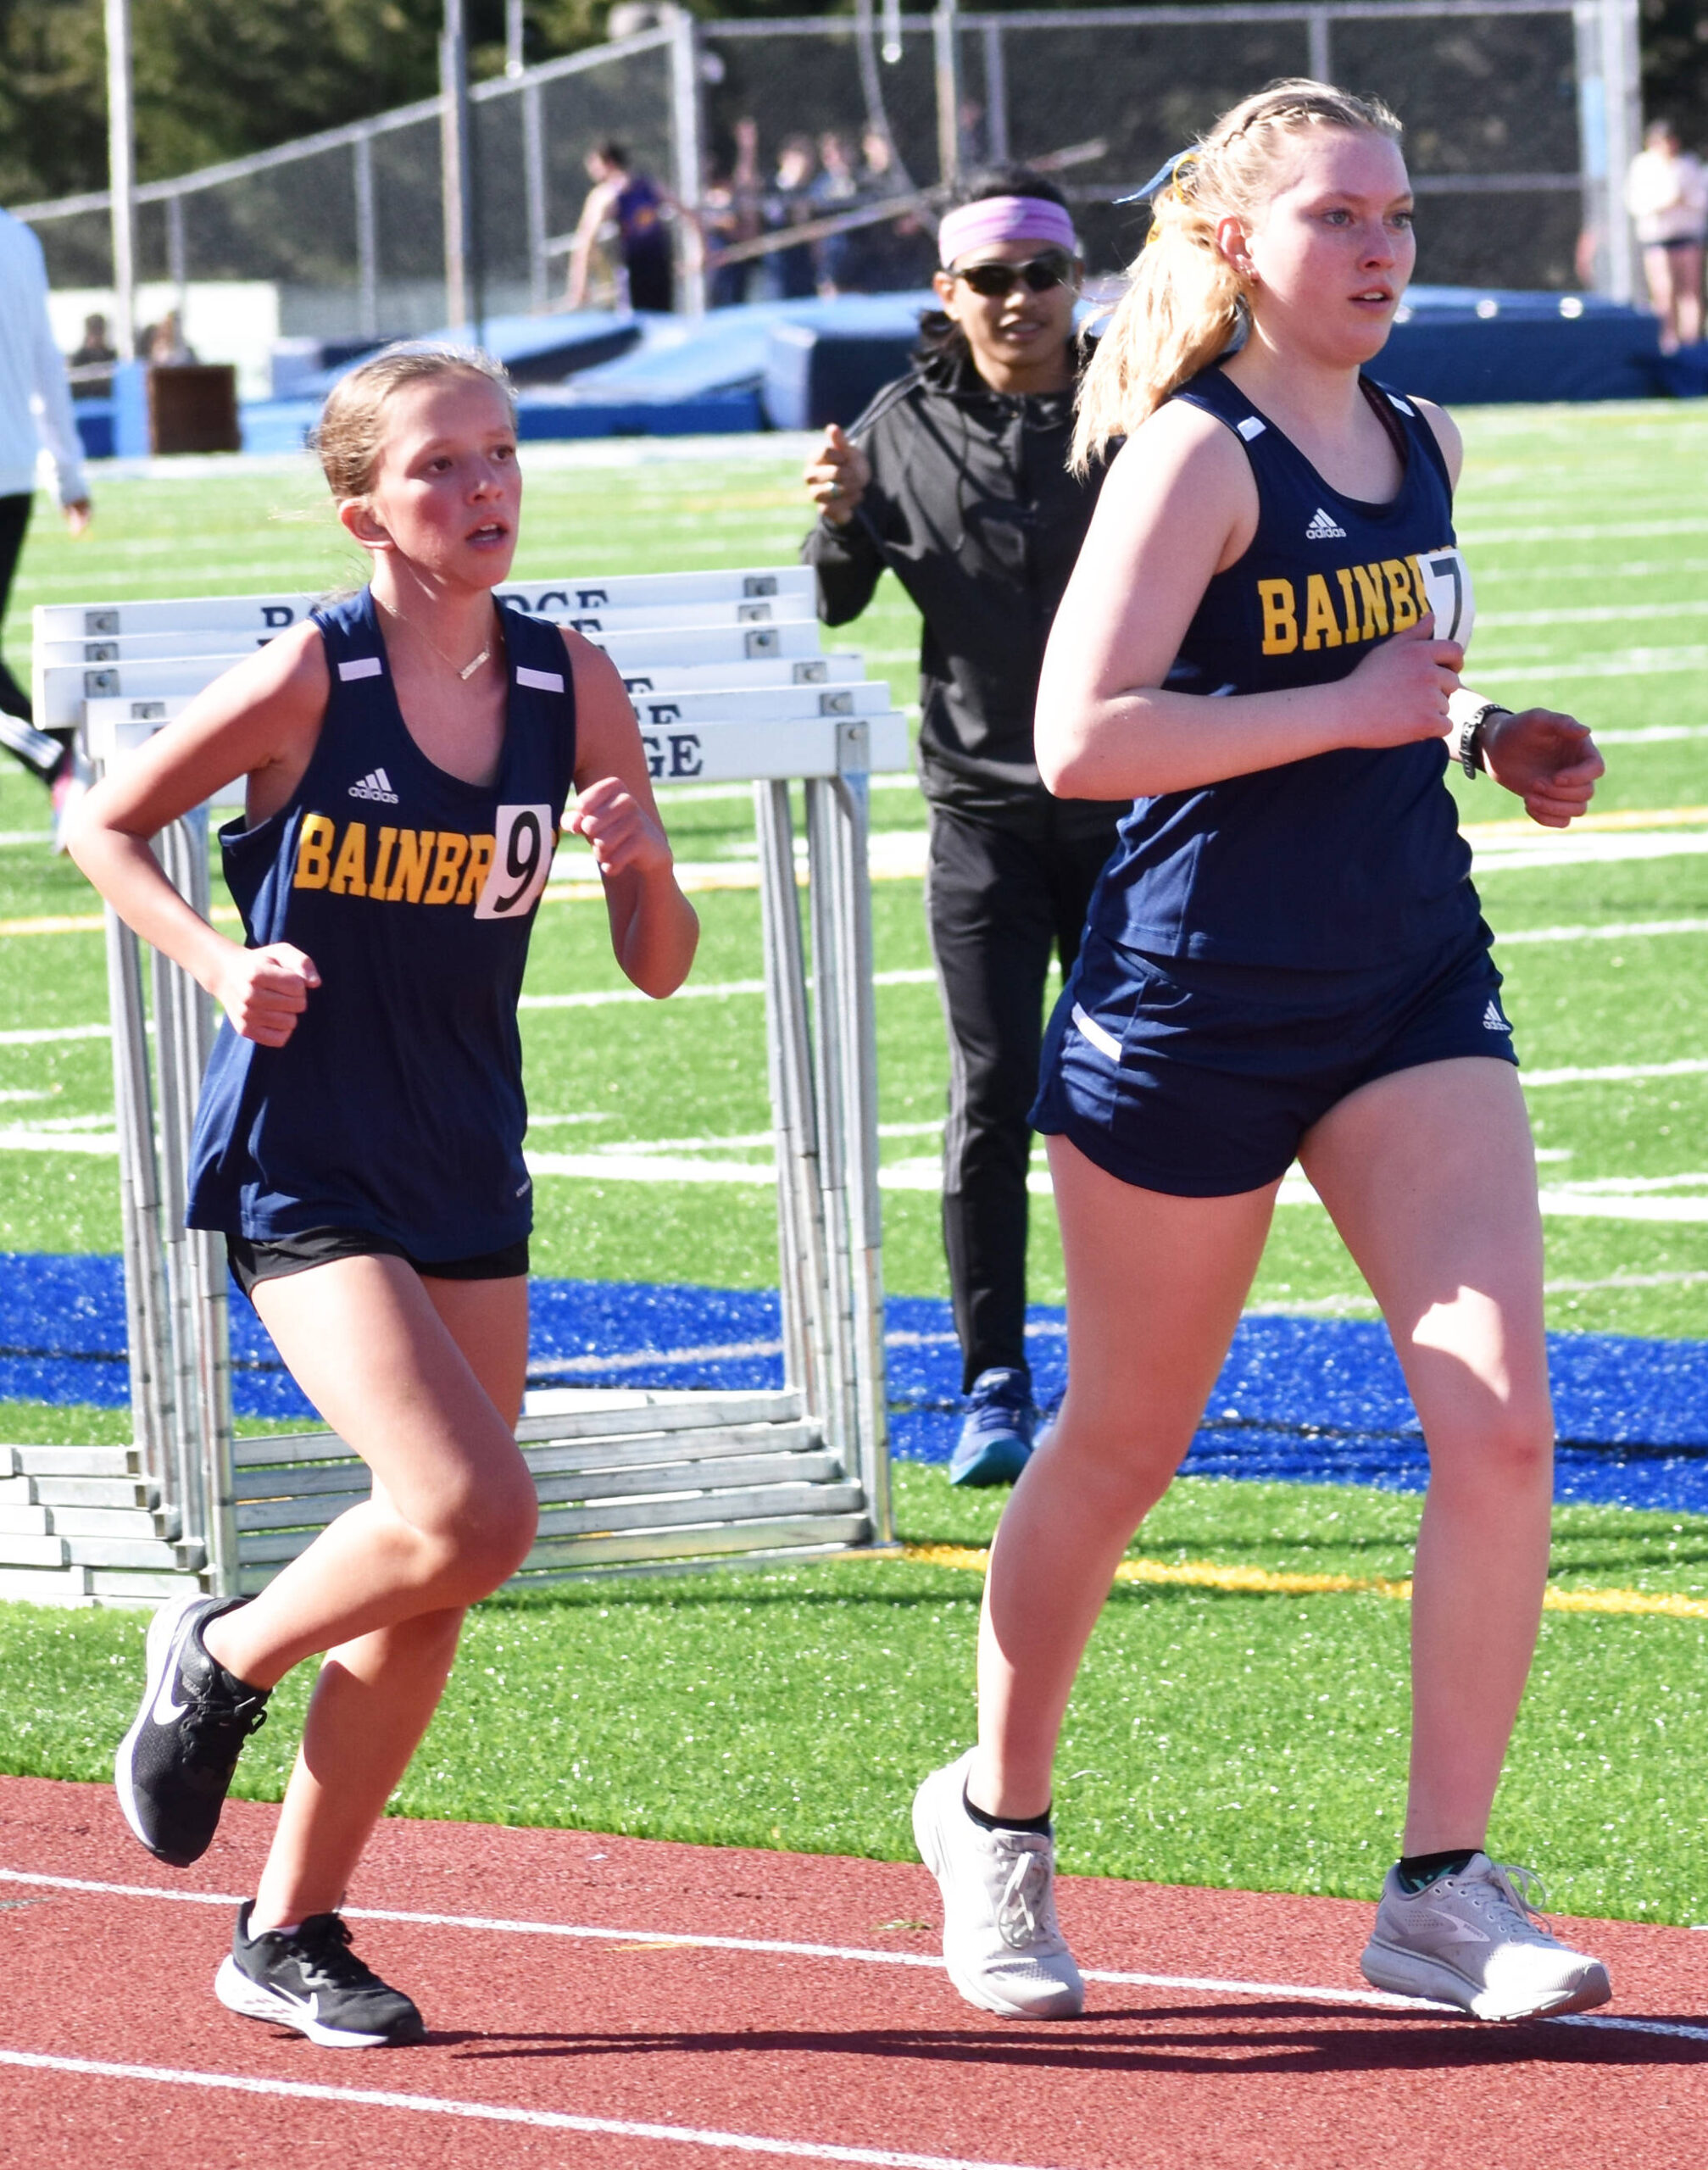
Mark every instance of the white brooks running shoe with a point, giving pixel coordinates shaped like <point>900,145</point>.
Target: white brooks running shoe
<point>1472,1939</point>
<point>1001,1944</point>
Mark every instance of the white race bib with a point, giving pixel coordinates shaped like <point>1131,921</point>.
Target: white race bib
<point>1447,583</point>
<point>522,849</point>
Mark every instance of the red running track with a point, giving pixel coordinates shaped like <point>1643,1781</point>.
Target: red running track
<point>1243,2034</point>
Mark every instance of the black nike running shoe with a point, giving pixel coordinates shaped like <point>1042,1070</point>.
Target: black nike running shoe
<point>174,1767</point>
<point>309,1978</point>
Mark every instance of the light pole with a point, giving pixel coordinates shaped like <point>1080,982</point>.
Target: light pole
<point>457,160</point>
<point>121,173</point>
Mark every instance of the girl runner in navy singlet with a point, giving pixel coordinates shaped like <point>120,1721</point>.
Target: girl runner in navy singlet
<point>1261,645</point>
<point>409,755</point>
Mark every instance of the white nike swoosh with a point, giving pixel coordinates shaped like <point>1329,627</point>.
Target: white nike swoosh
<point>165,1711</point>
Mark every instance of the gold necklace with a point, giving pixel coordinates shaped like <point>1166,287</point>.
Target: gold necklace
<point>464,671</point>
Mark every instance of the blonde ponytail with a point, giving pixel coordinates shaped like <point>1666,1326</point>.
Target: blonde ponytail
<point>1184,299</point>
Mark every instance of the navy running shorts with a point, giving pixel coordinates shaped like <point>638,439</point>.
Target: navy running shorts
<point>1200,1079</point>
<point>273,1258</point>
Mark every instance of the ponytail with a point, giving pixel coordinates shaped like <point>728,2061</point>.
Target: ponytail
<point>1184,300</point>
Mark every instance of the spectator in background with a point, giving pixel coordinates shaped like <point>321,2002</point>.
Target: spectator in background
<point>96,354</point>
<point>836,189</point>
<point>165,347</point>
<point>34,412</point>
<point>729,213</point>
<point>635,205</point>
<point>1666,194</point>
<point>791,274</point>
<point>895,258</point>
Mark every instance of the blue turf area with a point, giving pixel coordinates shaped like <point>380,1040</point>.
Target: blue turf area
<point>1304,1400</point>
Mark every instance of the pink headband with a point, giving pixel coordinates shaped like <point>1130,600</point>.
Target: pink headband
<point>1004,218</point>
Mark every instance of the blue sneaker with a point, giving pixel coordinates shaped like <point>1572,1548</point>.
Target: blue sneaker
<point>995,1442</point>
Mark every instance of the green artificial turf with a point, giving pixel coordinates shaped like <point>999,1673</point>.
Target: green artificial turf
<point>1256,1742</point>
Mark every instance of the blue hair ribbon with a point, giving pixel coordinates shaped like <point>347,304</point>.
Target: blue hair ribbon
<point>1159,180</point>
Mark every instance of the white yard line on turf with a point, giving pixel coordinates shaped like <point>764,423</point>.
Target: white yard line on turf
<point>1600,614</point>
<point>498,2113</point>
<point>43,1036</point>
<point>1548,855</point>
<point>1479,538</point>
<point>908,976</point>
<point>1628,930</point>
<point>710,990</point>
<point>1208,1985</point>
<point>1651,734</point>
<point>1619,663</point>
<point>1615,1073</point>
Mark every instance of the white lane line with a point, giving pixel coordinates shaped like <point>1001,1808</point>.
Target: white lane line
<point>1629,929</point>
<point>703,991</point>
<point>613,1167</point>
<point>1615,1073</point>
<point>1597,613</point>
<point>1580,531</point>
<point>498,2113</point>
<point>1618,662</point>
<point>1651,734</point>
<point>1572,1205</point>
<point>635,1359</point>
<point>1547,854</point>
<point>602,998</point>
<point>1208,1985</point>
<point>50,1035</point>
<point>24,1137</point>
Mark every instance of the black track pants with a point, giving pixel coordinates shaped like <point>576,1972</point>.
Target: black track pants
<point>15,519</point>
<point>997,902</point>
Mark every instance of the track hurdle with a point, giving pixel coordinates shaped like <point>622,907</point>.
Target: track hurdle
<point>729,684</point>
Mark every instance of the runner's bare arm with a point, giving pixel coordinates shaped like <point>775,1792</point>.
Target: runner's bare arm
<point>655,929</point>
<point>259,720</point>
<point>1180,504</point>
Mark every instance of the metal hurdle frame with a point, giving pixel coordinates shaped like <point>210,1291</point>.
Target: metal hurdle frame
<point>821,1034</point>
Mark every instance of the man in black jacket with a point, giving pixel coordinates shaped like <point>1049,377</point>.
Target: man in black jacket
<point>956,478</point>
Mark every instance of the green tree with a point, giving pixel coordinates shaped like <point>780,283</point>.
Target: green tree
<point>218,78</point>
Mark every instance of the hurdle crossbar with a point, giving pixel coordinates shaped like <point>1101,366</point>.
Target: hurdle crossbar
<point>722,693</point>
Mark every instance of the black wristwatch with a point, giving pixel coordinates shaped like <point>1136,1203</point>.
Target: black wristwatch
<point>1471,736</point>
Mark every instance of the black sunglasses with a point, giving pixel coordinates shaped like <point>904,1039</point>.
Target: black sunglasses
<point>993,281</point>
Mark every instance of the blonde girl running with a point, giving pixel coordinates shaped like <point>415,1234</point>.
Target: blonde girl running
<point>1285,958</point>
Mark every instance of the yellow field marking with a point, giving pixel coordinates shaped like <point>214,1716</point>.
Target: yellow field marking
<point>1264,1582</point>
<point>1629,817</point>
<point>93,922</point>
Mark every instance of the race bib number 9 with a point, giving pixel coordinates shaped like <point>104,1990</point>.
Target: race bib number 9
<point>522,847</point>
<point>1447,583</point>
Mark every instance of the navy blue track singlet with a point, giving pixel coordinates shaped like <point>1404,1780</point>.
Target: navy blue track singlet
<point>396,1106</point>
<point>1343,859</point>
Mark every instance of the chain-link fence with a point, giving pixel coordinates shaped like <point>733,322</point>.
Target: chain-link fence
<point>1517,112</point>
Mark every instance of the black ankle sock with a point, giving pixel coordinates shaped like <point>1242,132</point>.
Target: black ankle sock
<point>1040,1824</point>
<point>1419,1871</point>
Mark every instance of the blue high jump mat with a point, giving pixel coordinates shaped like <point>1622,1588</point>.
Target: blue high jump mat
<point>1300,1400</point>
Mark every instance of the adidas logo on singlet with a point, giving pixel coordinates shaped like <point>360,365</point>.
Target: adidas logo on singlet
<point>1324,529</point>
<point>1492,1022</point>
<point>376,784</point>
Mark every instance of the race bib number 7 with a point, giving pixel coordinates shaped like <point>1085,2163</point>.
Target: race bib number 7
<point>522,847</point>
<point>1447,583</point>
